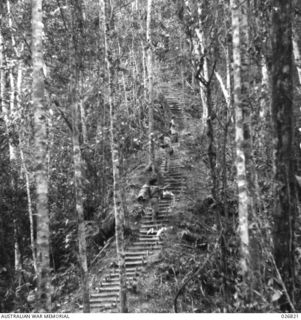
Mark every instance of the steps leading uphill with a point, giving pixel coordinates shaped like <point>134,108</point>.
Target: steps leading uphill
<point>106,297</point>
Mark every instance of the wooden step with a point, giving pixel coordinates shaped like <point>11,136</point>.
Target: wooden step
<point>106,300</point>
<point>115,282</point>
<point>161,215</point>
<point>148,236</point>
<point>135,257</point>
<point>147,244</point>
<point>137,263</point>
<point>105,294</point>
<point>146,228</point>
<point>152,247</point>
<point>113,288</point>
<point>157,220</point>
<point>148,231</point>
<point>101,306</point>
<point>129,253</point>
<point>150,223</point>
<point>148,239</point>
<point>132,274</point>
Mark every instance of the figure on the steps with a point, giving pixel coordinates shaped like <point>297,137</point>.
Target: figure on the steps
<point>152,171</point>
<point>155,195</point>
<point>165,143</point>
<point>143,198</point>
<point>173,130</point>
<point>150,195</point>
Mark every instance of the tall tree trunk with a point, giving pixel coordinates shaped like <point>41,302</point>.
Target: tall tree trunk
<point>226,90</point>
<point>150,84</point>
<point>83,113</point>
<point>144,71</point>
<point>205,90</point>
<point>204,72</point>
<point>282,112</point>
<point>78,185</point>
<point>75,99</point>
<point>182,50</point>
<point>3,106</point>
<point>265,109</point>
<point>29,206</point>
<point>123,83</point>
<point>2,74</point>
<point>118,208</point>
<point>238,11</point>
<point>297,53</point>
<point>8,110</point>
<point>43,300</point>
<point>135,73</point>
<point>12,149</point>
<point>17,256</point>
<point>297,38</point>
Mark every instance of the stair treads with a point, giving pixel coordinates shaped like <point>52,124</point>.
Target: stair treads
<point>105,298</point>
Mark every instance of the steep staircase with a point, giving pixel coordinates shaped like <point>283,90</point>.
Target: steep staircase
<point>106,297</point>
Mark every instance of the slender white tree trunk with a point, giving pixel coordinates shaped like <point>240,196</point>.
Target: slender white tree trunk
<point>118,205</point>
<point>29,206</point>
<point>83,114</point>
<point>243,195</point>
<point>78,184</point>
<point>297,53</point>
<point>150,84</point>
<point>144,72</point>
<point>43,300</point>
<point>124,84</point>
<point>76,100</point>
<point>2,74</point>
<point>204,72</point>
<point>264,101</point>
<point>11,112</point>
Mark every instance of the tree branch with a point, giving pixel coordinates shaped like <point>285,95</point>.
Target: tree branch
<point>57,106</point>
<point>194,273</point>
<point>62,15</point>
<point>223,87</point>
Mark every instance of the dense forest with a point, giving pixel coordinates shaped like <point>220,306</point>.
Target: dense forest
<point>150,156</point>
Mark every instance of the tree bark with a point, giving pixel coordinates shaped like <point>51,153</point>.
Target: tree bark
<point>43,300</point>
<point>2,72</point>
<point>30,209</point>
<point>205,90</point>
<point>75,99</point>
<point>11,112</point>
<point>118,208</point>
<point>297,39</point>
<point>83,115</point>
<point>124,84</point>
<point>238,12</point>
<point>144,71</point>
<point>78,185</point>
<point>205,70</point>
<point>150,84</point>
<point>297,54</point>
<point>282,112</point>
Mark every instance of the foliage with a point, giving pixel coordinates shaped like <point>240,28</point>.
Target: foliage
<point>176,64</point>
